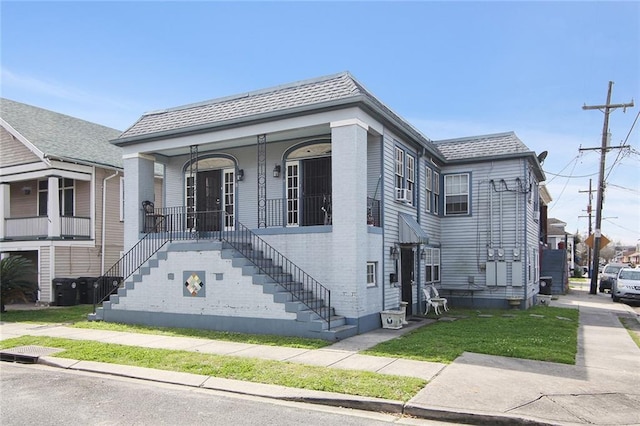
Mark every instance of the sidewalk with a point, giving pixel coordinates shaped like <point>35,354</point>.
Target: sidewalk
<point>482,389</point>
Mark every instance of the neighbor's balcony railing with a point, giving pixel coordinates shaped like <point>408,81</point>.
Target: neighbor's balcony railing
<point>31,228</point>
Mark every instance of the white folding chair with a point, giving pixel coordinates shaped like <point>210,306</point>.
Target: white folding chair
<point>430,302</point>
<point>436,298</point>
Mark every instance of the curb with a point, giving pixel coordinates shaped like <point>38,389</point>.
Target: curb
<point>289,394</point>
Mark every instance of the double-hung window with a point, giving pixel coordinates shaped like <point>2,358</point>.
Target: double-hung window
<point>428,189</point>
<point>436,192</point>
<point>405,175</point>
<point>371,274</point>
<point>456,194</point>
<point>432,265</point>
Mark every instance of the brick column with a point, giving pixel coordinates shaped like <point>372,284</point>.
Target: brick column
<point>349,214</point>
<point>138,187</point>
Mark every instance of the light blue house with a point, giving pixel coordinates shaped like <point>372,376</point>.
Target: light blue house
<point>309,208</point>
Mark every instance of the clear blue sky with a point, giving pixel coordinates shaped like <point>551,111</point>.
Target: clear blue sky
<point>452,69</point>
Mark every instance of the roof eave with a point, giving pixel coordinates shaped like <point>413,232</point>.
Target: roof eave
<point>362,100</point>
<point>529,155</point>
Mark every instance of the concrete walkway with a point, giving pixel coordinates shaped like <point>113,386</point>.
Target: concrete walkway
<point>600,389</point>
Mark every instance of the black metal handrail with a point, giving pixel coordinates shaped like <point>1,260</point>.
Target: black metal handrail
<point>180,223</point>
<point>287,274</point>
<point>127,265</point>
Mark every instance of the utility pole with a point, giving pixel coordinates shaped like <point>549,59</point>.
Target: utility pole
<point>590,191</point>
<point>606,108</point>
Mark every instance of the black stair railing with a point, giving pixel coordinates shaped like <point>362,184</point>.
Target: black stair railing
<point>288,275</point>
<point>130,262</point>
<point>179,223</point>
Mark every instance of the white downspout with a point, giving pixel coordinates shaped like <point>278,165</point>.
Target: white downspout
<point>104,220</point>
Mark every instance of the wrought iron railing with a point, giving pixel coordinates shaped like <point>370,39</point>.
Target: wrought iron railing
<point>179,223</point>
<point>127,265</point>
<point>278,267</point>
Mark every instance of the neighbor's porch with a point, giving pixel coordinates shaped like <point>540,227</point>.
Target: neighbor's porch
<point>46,208</point>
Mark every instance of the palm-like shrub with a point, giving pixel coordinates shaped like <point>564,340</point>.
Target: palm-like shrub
<point>14,280</point>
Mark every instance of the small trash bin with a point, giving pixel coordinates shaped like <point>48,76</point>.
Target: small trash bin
<point>66,291</point>
<point>545,285</point>
<point>106,286</point>
<point>86,290</point>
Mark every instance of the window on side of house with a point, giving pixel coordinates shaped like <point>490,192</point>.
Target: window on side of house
<point>432,265</point>
<point>399,168</point>
<point>372,271</point>
<point>436,192</point>
<point>428,189</point>
<point>456,194</point>
<point>405,176</point>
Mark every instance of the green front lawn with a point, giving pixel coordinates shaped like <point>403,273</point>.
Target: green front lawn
<point>540,333</point>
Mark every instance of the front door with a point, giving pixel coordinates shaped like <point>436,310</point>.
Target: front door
<point>209,201</point>
<point>316,191</point>
<point>407,277</point>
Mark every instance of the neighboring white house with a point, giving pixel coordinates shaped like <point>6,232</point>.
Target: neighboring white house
<point>309,208</point>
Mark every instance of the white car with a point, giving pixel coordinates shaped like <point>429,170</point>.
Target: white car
<point>626,285</point>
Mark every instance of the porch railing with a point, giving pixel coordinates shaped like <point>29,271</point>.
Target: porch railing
<point>178,223</point>
<point>26,228</point>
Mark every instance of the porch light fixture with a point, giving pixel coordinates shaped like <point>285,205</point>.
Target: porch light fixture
<point>240,175</point>
<point>276,171</point>
<point>26,190</point>
<point>423,254</point>
<point>395,254</point>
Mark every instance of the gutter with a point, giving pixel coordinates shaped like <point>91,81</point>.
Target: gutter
<point>104,224</point>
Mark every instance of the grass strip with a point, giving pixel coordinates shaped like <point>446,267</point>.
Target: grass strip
<point>76,316</point>
<point>287,374</point>
<point>539,333</point>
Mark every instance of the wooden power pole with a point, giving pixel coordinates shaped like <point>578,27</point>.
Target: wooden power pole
<point>606,109</point>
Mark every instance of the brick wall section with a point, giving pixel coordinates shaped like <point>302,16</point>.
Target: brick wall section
<point>234,295</point>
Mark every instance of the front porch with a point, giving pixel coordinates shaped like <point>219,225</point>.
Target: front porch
<point>313,211</point>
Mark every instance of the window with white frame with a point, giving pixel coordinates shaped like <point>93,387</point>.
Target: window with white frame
<point>372,271</point>
<point>432,265</point>
<point>399,168</point>
<point>456,194</point>
<point>411,177</point>
<point>428,181</point>
<point>436,192</point>
<point>66,197</point>
<point>405,175</point>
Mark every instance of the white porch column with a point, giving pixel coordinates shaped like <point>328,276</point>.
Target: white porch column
<point>5,210</point>
<point>349,215</point>
<point>53,206</point>
<point>138,187</point>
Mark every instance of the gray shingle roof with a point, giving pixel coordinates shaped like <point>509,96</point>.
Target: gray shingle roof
<point>308,95</point>
<point>477,147</point>
<point>61,136</point>
<point>304,93</point>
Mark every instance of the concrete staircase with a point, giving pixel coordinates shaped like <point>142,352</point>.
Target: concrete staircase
<point>265,273</point>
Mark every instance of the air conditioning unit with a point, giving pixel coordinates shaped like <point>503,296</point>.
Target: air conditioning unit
<point>402,194</point>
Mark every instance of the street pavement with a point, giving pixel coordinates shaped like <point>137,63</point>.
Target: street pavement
<point>600,389</point>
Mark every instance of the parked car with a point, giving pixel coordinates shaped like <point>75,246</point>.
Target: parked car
<point>609,274</point>
<point>626,285</point>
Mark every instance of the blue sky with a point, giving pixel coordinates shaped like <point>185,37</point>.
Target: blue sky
<point>452,69</point>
